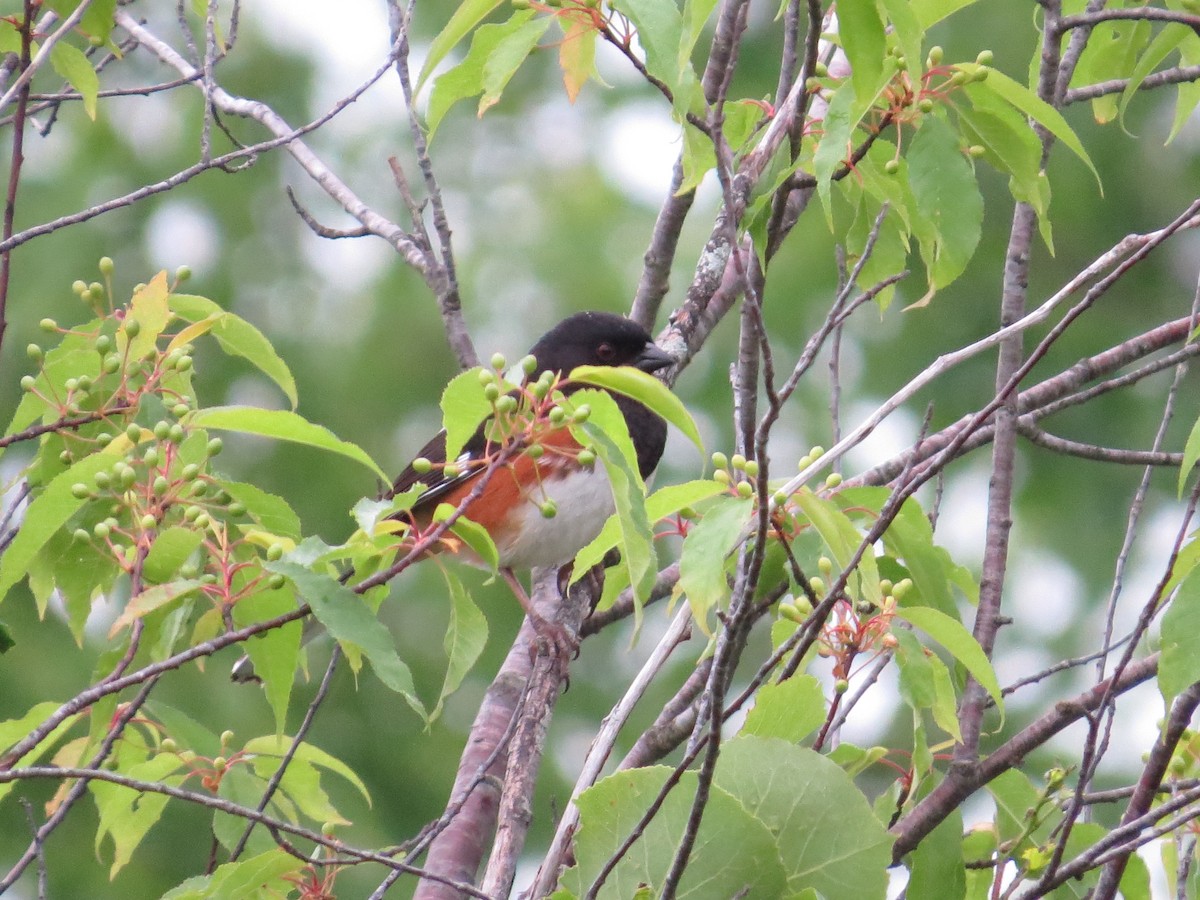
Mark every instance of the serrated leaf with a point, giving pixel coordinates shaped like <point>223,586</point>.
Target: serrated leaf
<point>466,636</point>
<point>842,538</point>
<point>936,867</point>
<point>1179,665</point>
<point>647,390</point>
<point>790,710</point>
<point>910,537</point>
<point>960,643</point>
<point>577,52</point>
<point>274,746</point>
<point>170,550</point>
<point>909,33</point>
<point>471,533</point>
<point>275,653</point>
<point>506,57</point>
<point>930,12</point>
<point>861,31</point>
<point>151,599</point>
<point>243,878</point>
<point>236,336</point>
<point>466,79</point>
<point>45,515</point>
<point>948,199</point>
<point>705,549</point>
<point>73,66</point>
<point>149,308</point>
<point>463,407</point>
<point>346,616</point>
<point>748,863</point>
<point>1036,108</point>
<point>282,425</point>
<point>468,14</point>
<point>659,33</point>
<point>127,815</point>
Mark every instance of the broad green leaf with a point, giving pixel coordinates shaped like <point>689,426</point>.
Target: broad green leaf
<point>647,390</point>
<point>936,865</point>
<point>73,357</point>
<point>695,14</point>
<point>708,544</point>
<point>1191,453</point>
<point>282,425</point>
<point>1036,108</point>
<point>274,746</point>
<point>834,146</point>
<point>48,512</point>
<point>747,864</point>
<point>170,550</point>
<point>463,407</point>
<point>1164,43</point>
<point>1010,145</point>
<point>916,672</point>
<point>97,20</point>
<point>237,337</point>
<point>930,12</point>
<point>77,571</point>
<point>469,14</point>
<point>979,846</point>
<point>792,790</point>
<point>1015,796</point>
<point>151,599</point>
<point>910,537</point>
<point>842,538</point>
<point>948,199</point>
<point>1179,665</point>
<point>243,878</point>
<point>7,641</point>
<point>73,66</point>
<point>664,502</point>
<point>660,33</point>
<point>471,533</point>
<point>466,636</point>
<point>150,310</point>
<point>13,730</point>
<point>855,760</point>
<point>506,58</point>
<point>945,702</point>
<point>349,621</point>
<point>861,31</point>
<point>127,815</point>
<point>466,79</point>
<point>961,644</point>
<point>790,710</point>
<point>909,33</point>
<point>606,431</point>
<point>271,512</point>
<point>275,653</point>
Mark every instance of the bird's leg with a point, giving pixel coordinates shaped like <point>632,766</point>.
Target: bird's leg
<point>562,643</point>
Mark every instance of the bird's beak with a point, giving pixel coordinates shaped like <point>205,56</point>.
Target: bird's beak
<point>651,359</point>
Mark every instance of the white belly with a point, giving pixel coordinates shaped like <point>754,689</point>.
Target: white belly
<point>584,501</point>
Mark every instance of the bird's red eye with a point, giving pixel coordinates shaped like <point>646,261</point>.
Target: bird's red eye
<point>605,352</point>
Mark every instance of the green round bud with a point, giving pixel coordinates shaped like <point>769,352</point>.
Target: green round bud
<point>892,166</point>
<point>183,273</point>
<point>903,586</point>
<point>126,477</point>
<point>885,585</point>
<point>820,69</point>
<point>486,377</point>
<point>275,582</point>
<point>215,446</point>
<point>203,520</point>
<point>133,431</point>
<point>175,433</point>
<point>84,384</point>
<point>925,105</point>
<point>27,382</point>
<point>421,465</point>
<point>935,56</point>
<point>745,489</point>
<point>791,612</point>
<point>184,363</point>
<point>549,509</point>
<point>103,344</point>
<point>813,84</point>
<point>150,457</point>
<point>275,552</point>
<point>189,570</point>
<point>48,325</point>
<point>81,535</point>
<point>161,485</point>
<point>79,287</point>
<point>780,498</point>
<point>804,605</point>
<point>71,384</point>
<point>818,585</point>
<point>582,413</point>
<point>816,452</point>
<point>738,462</point>
<point>148,522</point>
<point>103,480</point>
<point>721,476</point>
<point>539,389</point>
<point>491,392</point>
<point>199,489</point>
<point>96,290</point>
<point>328,829</point>
<point>34,352</point>
<point>132,327</point>
<point>507,404</point>
<point>80,491</point>
<point>190,471</point>
<point>751,468</point>
<point>111,364</point>
<point>529,364</point>
<point>106,265</point>
<point>825,564</point>
<point>535,451</point>
<point>985,57</point>
<point>179,410</point>
<point>191,513</point>
<point>981,74</point>
<point>901,64</point>
<point>172,358</point>
<point>162,429</point>
<point>720,460</point>
<point>498,361</point>
<point>237,509</point>
<point>66,458</point>
<point>557,415</point>
<point>586,458</point>
<point>841,686</point>
<point>976,150</point>
<point>833,480</point>
<point>101,530</point>
<point>104,439</point>
<point>450,470</point>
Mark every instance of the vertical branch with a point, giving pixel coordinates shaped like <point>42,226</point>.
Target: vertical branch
<point>14,169</point>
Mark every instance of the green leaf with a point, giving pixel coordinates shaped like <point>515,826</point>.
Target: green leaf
<point>7,641</point>
<point>861,31</point>
<point>271,512</point>
<point>1009,143</point>
<point>1179,665</point>
<point>948,199</point>
<point>660,33</point>
<point>248,877</point>
<point>1015,797</point>
<point>647,390</point>
<point>748,863</point>
<point>833,148</point>
<point>469,14</point>
<point>910,537</point>
<point>1191,453</point>
<point>909,32</point>
<point>945,702</point>
<point>170,550</point>
<point>97,19</point>
<point>1164,43</point>
<point>151,599</point>
<point>13,730</point>
<point>275,653</point>
<point>842,538</point>
<point>237,337</point>
<point>1036,108</point>
<point>46,514</point>
<point>664,502</point>
<point>349,621</point>
<point>790,710</point>
<point>695,14</point>
<point>466,636</point>
<point>127,815</point>
<point>463,407</point>
<point>73,66</point>
<point>466,79</point>
<point>961,644</point>
<point>916,672</point>
<point>472,534</point>
<point>282,425</point>
<point>936,865</point>
<point>506,57</point>
<point>150,309</point>
<point>930,12</point>
<point>793,791</point>
<point>702,561</point>
<point>269,748</point>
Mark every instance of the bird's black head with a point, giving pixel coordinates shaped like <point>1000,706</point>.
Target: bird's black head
<point>598,339</point>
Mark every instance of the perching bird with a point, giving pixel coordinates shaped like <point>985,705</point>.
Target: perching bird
<point>510,506</point>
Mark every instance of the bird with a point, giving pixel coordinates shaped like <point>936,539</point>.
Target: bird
<point>511,506</point>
